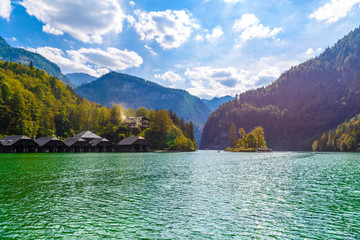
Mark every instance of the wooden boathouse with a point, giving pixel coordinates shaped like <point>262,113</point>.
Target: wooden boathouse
<point>134,144</point>
<point>18,144</point>
<point>50,144</point>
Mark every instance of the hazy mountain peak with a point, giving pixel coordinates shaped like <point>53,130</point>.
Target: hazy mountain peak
<point>80,78</point>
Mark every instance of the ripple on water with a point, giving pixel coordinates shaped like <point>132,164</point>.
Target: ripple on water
<point>286,195</point>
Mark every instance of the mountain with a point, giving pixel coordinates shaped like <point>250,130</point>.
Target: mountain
<point>304,102</point>
<point>133,92</point>
<point>214,103</point>
<point>20,55</point>
<point>80,78</point>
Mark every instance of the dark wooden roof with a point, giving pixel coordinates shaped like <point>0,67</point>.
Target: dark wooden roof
<point>11,140</point>
<point>71,141</point>
<point>86,134</point>
<point>41,141</point>
<point>130,141</point>
<point>97,141</point>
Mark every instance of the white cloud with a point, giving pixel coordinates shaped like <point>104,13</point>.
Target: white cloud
<point>250,27</point>
<point>312,53</point>
<point>170,77</point>
<point>151,50</point>
<point>5,9</point>
<point>85,20</point>
<point>199,38</point>
<point>169,28</point>
<point>93,61</point>
<point>215,35</point>
<point>209,82</point>
<point>12,39</point>
<point>46,28</point>
<point>212,37</point>
<point>334,10</point>
<point>132,3</point>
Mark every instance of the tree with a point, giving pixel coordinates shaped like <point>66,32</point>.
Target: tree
<point>191,131</point>
<point>232,135</point>
<point>115,115</point>
<point>161,122</point>
<point>31,65</point>
<point>259,133</point>
<point>130,112</point>
<point>251,141</point>
<point>142,112</point>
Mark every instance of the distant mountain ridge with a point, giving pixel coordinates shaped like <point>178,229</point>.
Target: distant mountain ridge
<point>135,92</point>
<point>304,102</point>
<point>80,78</point>
<point>19,55</point>
<point>214,103</point>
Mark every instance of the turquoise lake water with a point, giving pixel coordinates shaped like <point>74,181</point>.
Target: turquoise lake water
<point>200,195</point>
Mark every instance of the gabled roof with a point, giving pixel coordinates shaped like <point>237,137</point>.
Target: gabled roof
<point>10,140</point>
<point>71,141</point>
<point>96,141</point>
<point>44,140</point>
<point>86,134</point>
<point>130,140</point>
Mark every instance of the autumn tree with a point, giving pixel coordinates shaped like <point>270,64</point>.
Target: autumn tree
<point>232,135</point>
<point>259,133</point>
<point>142,112</point>
<point>241,140</point>
<point>251,141</point>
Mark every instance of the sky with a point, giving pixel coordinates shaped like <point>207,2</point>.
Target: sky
<point>210,48</point>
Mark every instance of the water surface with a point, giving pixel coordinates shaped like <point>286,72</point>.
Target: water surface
<point>201,195</point>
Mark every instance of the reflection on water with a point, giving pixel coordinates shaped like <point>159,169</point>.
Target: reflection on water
<point>180,195</point>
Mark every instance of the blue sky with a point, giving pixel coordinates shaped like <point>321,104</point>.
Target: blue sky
<point>208,47</point>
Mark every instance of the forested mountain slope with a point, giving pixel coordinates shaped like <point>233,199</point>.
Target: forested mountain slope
<point>303,103</point>
<point>20,55</point>
<point>133,92</point>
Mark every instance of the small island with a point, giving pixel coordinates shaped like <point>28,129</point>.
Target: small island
<point>251,142</point>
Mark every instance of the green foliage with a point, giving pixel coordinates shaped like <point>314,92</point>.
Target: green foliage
<point>345,138</point>
<point>246,142</point>
<point>251,141</point>
<point>164,134</point>
<point>305,101</point>
<point>142,112</point>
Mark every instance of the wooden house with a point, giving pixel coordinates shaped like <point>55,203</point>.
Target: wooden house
<point>138,122</point>
<point>50,144</point>
<point>101,145</point>
<point>134,144</point>
<point>87,135</point>
<point>18,144</point>
<point>77,145</point>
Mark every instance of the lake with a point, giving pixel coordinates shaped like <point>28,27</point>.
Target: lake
<point>200,195</point>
